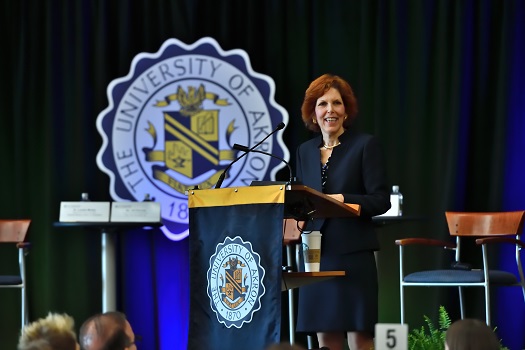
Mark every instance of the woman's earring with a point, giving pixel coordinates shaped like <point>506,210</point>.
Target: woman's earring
<point>346,116</point>
<point>315,121</point>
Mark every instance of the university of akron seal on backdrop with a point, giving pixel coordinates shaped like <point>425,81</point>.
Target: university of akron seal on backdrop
<point>172,121</point>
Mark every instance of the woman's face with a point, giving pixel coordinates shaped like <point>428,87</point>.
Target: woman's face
<point>330,113</point>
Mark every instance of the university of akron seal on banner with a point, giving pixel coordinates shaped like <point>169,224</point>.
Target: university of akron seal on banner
<point>172,121</point>
<point>235,282</point>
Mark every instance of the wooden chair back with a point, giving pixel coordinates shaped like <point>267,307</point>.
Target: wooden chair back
<point>13,231</point>
<point>485,223</point>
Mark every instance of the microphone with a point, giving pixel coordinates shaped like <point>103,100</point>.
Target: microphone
<point>221,177</point>
<point>246,149</point>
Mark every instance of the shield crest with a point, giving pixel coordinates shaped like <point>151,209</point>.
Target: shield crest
<point>233,286</point>
<point>191,142</point>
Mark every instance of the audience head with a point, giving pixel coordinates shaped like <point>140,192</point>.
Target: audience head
<point>54,332</point>
<point>470,334</point>
<point>107,331</point>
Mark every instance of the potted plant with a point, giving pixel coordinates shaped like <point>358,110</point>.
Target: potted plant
<point>432,337</point>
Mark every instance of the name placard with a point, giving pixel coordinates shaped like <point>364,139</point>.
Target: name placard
<point>391,336</point>
<point>135,212</point>
<point>84,211</point>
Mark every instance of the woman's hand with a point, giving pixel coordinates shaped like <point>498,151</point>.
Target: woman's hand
<point>338,197</point>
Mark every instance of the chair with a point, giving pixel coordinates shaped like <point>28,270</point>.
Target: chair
<point>14,232</point>
<point>485,228</point>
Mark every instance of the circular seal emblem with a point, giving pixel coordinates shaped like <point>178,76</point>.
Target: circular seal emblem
<point>235,282</point>
<point>171,124</point>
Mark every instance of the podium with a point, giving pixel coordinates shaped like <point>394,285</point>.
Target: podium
<point>303,200</point>
<point>236,278</point>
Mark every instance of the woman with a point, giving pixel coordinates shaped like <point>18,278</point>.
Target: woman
<point>347,166</point>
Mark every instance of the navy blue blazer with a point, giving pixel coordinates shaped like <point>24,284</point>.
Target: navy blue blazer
<point>356,170</point>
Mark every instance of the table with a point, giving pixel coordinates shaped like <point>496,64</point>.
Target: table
<point>291,280</point>
<point>107,245</point>
<point>387,220</point>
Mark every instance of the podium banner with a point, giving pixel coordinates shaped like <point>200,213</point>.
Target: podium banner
<point>235,267</point>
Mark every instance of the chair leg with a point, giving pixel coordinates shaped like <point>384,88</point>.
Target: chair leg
<point>24,313</point>
<point>23,305</point>
<point>310,341</point>
<point>461,303</point>
<point>487,305</point>
<point>401,290</point>
<point>402,303</point>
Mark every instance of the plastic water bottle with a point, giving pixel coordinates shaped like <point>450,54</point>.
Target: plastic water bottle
<point>148,198</point>
<point>399,195</point>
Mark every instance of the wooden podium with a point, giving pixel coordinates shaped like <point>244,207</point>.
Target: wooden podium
<point>306,200</point>
<point>231,228</point>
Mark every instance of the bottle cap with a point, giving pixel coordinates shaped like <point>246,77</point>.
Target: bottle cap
<point>395,188</point>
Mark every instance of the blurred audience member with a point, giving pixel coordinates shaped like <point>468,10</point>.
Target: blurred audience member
<point>54,332</point>
<point>107,331</point>
<point>470,334</point>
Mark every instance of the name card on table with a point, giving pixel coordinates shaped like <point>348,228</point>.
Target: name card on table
<point>391,336</point>
<point>84,211</point>
<point>135,212</point>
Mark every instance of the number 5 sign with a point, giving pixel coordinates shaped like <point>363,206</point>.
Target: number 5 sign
<point>391,336</point>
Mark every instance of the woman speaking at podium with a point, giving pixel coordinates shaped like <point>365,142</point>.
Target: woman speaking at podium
<point>348,166</point>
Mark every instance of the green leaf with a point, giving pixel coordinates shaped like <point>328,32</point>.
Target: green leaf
<point>434,337</point>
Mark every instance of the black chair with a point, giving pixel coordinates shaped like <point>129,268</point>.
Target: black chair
<point>14,232</point>
<point>486,228</point>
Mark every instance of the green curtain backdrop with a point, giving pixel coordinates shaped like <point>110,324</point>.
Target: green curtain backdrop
<point>434,79</point>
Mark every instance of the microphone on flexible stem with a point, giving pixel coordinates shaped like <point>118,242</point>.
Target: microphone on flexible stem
<point>246,149</point>
<point>223,175</point>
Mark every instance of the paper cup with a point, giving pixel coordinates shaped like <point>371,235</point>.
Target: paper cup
<point>311,250</point>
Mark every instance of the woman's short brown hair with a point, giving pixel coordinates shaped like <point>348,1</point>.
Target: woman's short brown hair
<point>318,88</point>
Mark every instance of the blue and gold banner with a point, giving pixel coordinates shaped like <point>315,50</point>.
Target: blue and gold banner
<point>235,267</point>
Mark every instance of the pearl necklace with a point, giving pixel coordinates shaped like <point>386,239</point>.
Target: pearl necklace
<point>330,147</point>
